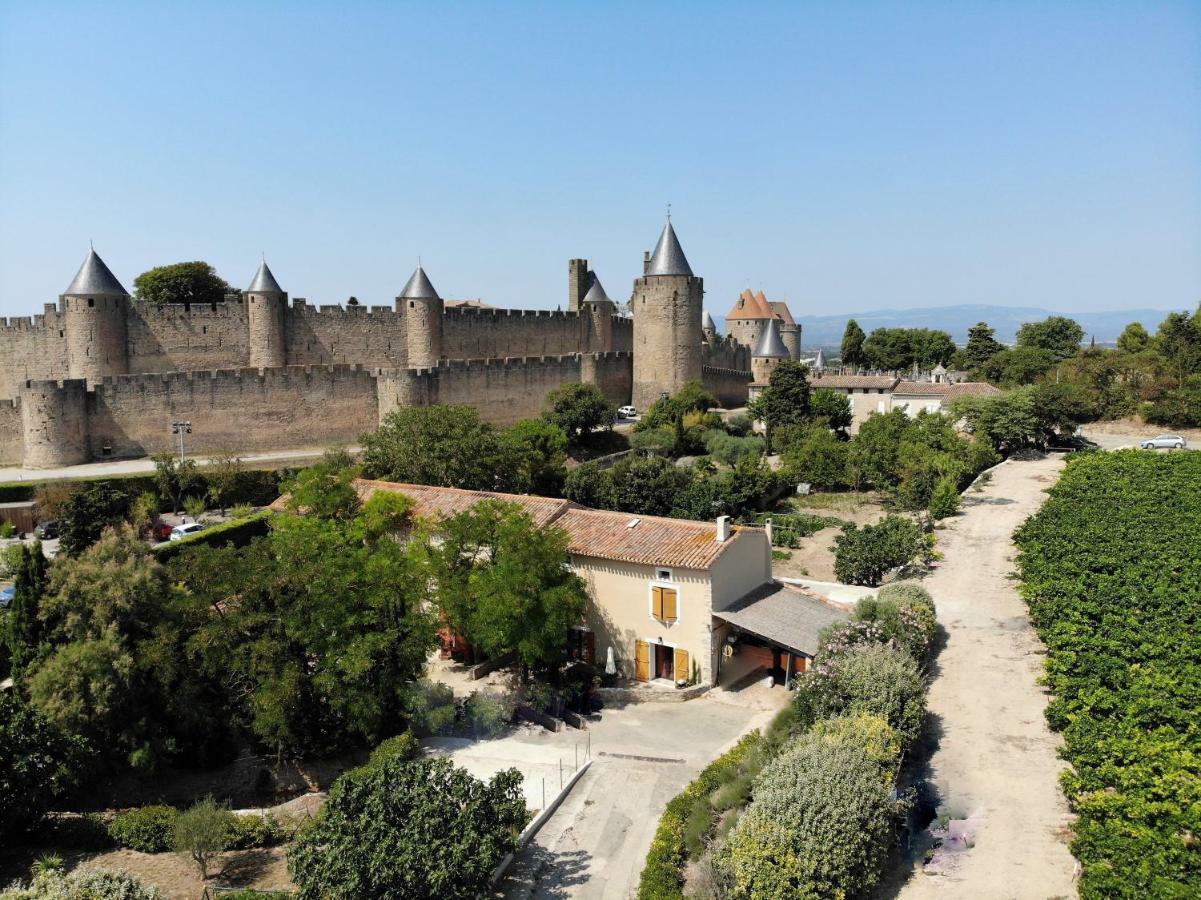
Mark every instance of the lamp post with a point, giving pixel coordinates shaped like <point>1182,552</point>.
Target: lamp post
<point>181,428</point>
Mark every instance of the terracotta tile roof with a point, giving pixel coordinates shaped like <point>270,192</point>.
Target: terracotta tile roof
<point>874,382</point>
<point>591,532</point>
<point>652,541</point>
<point>780,308</point>
<point>950,391</point>
<point>750,306</point>
<point>441,502</point>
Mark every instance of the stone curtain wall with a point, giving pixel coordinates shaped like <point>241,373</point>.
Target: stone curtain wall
<point>499,333</point>
<point>726,353</point>
<point>730,386</point>
<point>31,347</point>
<point>613,373</point>
<point>240,410</point>
<point>368,336</point>
<point>183,337</point>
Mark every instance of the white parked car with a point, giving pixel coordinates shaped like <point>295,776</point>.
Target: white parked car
<point>1165,442</point>
<point>627,412</point>
<point>182,531</point>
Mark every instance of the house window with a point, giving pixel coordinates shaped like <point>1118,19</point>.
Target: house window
<point>581,645</point>
<point>664,604</point>
<point>662,574</point>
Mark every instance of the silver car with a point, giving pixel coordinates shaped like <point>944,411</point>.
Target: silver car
<point>1165,442</point>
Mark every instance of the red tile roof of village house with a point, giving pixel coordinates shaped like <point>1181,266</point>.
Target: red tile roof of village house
<point>950,391</point>
<point>651,541</point>
<point>749,306</point>
<point>591,532</point>
<point>439,502</point>
<point>780,308</point>
<point>853,381</point>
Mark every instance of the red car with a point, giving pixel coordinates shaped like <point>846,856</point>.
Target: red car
<point>162,530</point>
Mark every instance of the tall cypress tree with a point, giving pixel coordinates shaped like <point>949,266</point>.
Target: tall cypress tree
<point>852,345</point>
<point>24,628</point>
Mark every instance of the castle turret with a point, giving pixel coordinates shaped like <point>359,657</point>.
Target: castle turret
<point>54,423</point>
<point>266,307</point>
<point>790,331</point>
<point>667,304</point>
<point>709,328</point>
<point>94,306</point>
<point>768,354</point>
<point>422,309</point>
<point>600,310</point>
<point>579,280</point>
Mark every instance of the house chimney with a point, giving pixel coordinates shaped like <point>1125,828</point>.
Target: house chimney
<point>723,529</point>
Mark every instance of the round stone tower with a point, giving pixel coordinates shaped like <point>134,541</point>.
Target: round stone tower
<point>667,305</point>
<point>421,307</point>
<point>709,329</point>
<point>54,423</point>
<point>600,310</point>
<point>768,354</point>
<point>266,306</point>
<point>94,307</point>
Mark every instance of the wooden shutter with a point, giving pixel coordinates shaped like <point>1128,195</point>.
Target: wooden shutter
<point>590,647</point>
<point>642,660</point>
<point>682,671</point>
<point>669,604</point>
<point>657,603</point>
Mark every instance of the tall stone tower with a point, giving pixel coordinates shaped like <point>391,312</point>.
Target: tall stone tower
<point>421,306</point>
<point>579,280</point>
<point>94,308</point>
<point>768,354</point>
<point>709,329</point>
<point>667,304</point>
<point>266,306</point>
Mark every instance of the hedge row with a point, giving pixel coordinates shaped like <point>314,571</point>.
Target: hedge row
<point>238,532</point>
<point>149,829</point>
<point>663,874</point>
<point>257,487</point>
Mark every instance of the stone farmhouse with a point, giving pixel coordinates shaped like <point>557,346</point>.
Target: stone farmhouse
<point>100,375</point>
<point>675,600</point>
<point>883,393</point>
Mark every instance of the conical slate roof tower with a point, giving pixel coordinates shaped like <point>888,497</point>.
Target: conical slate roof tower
<point>94,277</point>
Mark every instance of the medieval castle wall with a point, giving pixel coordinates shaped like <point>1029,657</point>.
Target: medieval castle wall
<point>729,386</point>
<point>31,347</point>
<point>12,440</point>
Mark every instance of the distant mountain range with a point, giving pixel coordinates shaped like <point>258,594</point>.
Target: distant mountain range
<point>1104,326</point>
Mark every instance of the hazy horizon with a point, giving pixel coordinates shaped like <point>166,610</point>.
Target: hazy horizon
<point>875,157</point>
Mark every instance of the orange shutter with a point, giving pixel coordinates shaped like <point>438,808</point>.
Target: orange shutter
<point>669,605</point>
<point>657,603</point>
<point>682,671</point>
<point>642,660</point>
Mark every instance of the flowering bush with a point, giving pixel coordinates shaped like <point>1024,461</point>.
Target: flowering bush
<point>81,884</point>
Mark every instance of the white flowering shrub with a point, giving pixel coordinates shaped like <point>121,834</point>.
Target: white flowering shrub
<point>82,884</point>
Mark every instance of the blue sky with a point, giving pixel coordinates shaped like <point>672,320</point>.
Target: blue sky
<point>843,156</point>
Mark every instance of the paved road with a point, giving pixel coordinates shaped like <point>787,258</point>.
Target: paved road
<point>145,464</point>
<point>996,759</point>
<point>595,844</point>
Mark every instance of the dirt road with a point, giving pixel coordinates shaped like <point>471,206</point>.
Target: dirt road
<point>995,763</point>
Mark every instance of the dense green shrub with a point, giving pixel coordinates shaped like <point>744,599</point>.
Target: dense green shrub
<point>249,831</point>
<point>147,828</point>
<point>82,884</point>
<point>822,818</point>
<point>1111,570</point>
<point>417,829</point>
<point>865,555</point>
<point>871,678</point>
<point>728,449</point>
<point>818,458</point>
<point>905,615</point>
<point>944,500</point>
<point>663,874</point>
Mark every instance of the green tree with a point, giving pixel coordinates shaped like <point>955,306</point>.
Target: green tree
<point>590,485</point>
<point>1019,365</point>
<point>419,829</point>
<point>895,349</point>
<point>39,765</point>
<point>175,478</point>
<point>819,459</point>
<point>22,627</point>
<point>875,452</point>
<point>317,630</point>
<point>202,832</point>
<point>670,411</point>
<point>579,409</point>
<point>222,474</point>
<point>537,451</point>
<point>865,555</point>
<point>981,346</point>
<point>647,486</point>
<point>1179,407</point>
<point>1134,338</point>
<point>504,583</point>
<point>87,512</point>
<point>185,282</point>
<point>1057,334</point>
<point>440,445</point>
<point>1178,342</point>
<point>830,408</point>
<point>786,399</point>
<point>852,345</point>
<point>117,673</point>
<point>944,501</point>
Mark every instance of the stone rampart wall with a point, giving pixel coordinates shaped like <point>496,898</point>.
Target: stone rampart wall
<point>177,337</point>
<point>324,335</point>
<point>12,443</point>
<point>730,386</point>
<point>31,347</point>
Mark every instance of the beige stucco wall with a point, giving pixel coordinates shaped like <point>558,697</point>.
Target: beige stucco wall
<point>913,404</point>
<point>863,405</point>
<point>620,611</point>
